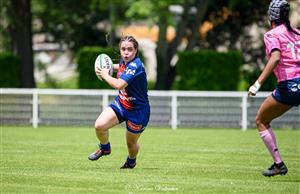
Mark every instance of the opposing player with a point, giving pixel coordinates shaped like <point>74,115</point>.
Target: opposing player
<point>283,52</point>
<point>131,105</point>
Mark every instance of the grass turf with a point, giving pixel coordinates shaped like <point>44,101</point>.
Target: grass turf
<point>54,160</point>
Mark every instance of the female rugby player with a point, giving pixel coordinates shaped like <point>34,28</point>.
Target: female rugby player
<point>282,44</point>
<point>131,105</point>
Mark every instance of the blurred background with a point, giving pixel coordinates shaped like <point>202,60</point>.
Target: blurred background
<point>185,44</point>
<point>213,48</point>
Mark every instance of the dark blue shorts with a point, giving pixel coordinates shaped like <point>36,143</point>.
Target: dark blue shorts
<point>136,120</point>
<point>288,92</point>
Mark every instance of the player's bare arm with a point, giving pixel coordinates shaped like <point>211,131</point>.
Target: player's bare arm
<point>270,66</point>
<point>118,84</point>
<point>115,67</point>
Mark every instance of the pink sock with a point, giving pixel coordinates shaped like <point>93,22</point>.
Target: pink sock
<point>273,136</point>
<point>269,139</point>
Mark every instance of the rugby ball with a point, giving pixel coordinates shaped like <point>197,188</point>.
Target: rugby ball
<point>103,61</point>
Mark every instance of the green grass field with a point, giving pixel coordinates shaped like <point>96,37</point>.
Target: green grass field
<point>54,160</point>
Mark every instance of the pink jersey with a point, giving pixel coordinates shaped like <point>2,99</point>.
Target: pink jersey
<point>288,43</point>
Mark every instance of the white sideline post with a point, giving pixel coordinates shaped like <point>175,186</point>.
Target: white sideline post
<point>174,111</point>
<point>244,111</point>
<point>35,108</point>
<point>104,100</point>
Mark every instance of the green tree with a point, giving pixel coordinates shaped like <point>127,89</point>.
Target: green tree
<point>187,21</point>
<point>230,21</point>
<point>86,23</point>
<point>79,23</point>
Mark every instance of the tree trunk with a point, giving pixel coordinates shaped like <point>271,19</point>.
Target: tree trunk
<point>161,55</point>
<point>112,18</point>
<point>173,48</point>
<point>165,52</point>
<point>21,39</point>
<point>201,10</point>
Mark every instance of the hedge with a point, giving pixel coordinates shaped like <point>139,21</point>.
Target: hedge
<point>209,70</point>
<point>251,77</point>
<point>85,59</point>
<point>10,71</point>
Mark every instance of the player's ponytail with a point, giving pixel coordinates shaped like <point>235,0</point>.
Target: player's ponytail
<point>289,27</point>
<point>284,17</point>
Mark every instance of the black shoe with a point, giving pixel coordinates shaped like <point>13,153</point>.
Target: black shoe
<point>99,153</point>
<point>127,165</point>
<point>276,169</point>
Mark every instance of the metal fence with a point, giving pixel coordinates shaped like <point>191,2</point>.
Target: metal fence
<point>174,109</point>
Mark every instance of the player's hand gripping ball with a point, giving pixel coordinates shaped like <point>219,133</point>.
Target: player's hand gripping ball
<point>103,61</point>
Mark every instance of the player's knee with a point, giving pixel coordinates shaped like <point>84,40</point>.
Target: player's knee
<point>100,127</point>
<point>258,121</point>
<point>132,145</point>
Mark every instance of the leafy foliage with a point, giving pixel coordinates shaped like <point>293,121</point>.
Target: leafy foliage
<point>251,76</point>
<point>77,23</point>
<point>209,70</point>
<point>10,74</point>
<point>86,59</point>
<point>231,21</point>
<point>81,23</point>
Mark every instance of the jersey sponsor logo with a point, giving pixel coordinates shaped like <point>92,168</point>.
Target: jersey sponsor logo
<point>124,96</point>
<point>269,35</point>
<point>133,65</point>
<point>130,71</point>
<point>126,100</point>
<point>295,87</point>
<point>133,126</point>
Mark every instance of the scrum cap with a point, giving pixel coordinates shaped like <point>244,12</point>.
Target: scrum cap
<point>274,9</point>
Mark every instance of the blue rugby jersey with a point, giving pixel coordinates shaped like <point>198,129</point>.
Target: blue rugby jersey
<point>135,95</point>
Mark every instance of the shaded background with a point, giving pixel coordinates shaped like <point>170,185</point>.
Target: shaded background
<point>47,37</point>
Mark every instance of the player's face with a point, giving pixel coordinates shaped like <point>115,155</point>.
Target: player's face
<point>128,51</point>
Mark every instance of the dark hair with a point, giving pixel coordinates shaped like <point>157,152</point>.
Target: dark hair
<point>284,18</point>
<point>134,42</point>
